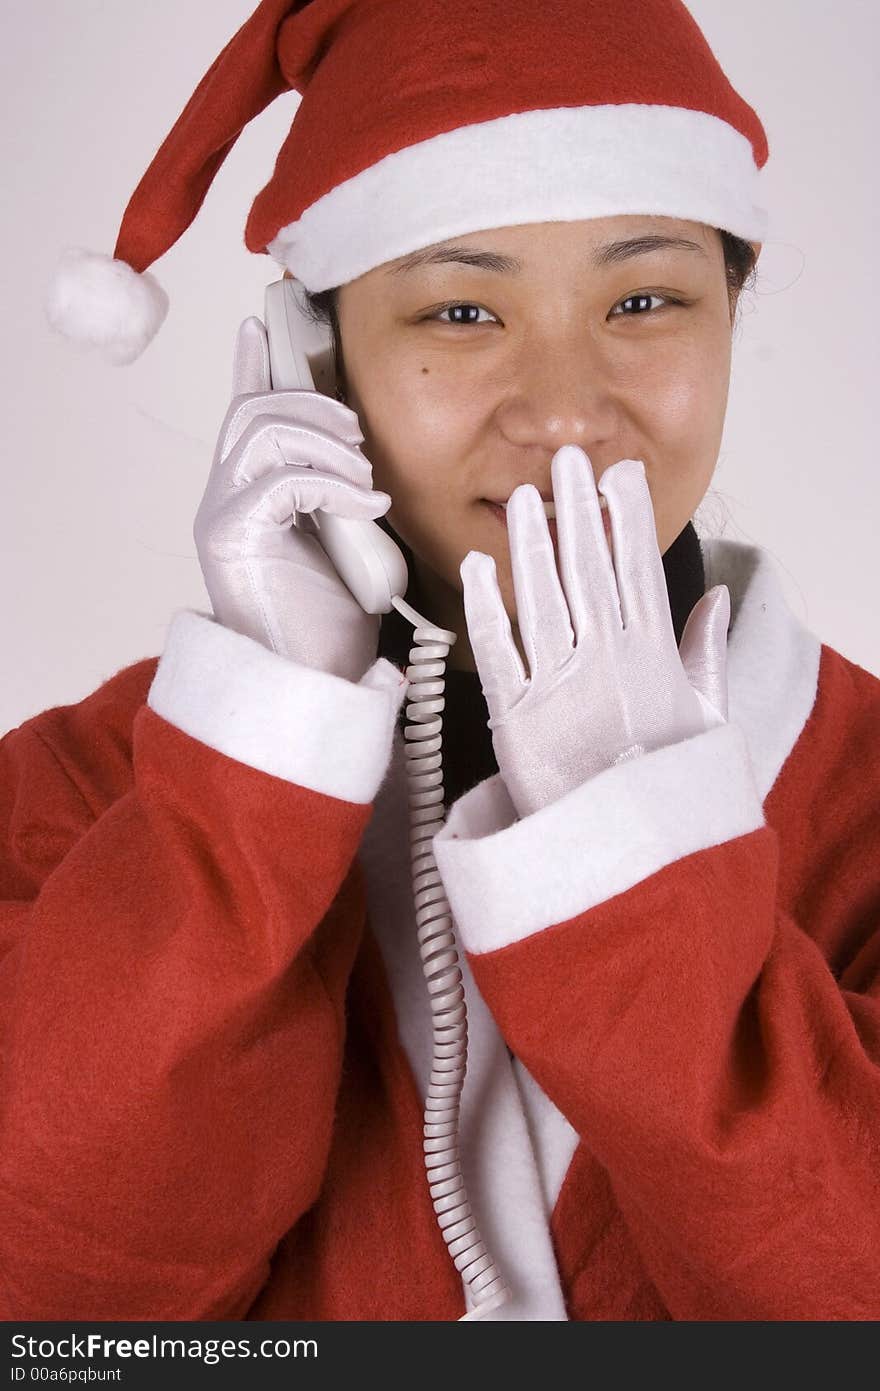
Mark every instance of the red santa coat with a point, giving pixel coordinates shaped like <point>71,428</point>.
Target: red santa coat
<point>216,1037</point>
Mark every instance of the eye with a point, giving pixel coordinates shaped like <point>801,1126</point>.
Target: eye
<point>466,314</point>
<point>643,298</point>
<point>470,318</point>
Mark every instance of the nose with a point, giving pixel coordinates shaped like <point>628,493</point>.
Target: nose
<point>560,396</point>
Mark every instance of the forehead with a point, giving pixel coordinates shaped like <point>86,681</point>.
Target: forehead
<point>586,231</point>
<point>596,241</point>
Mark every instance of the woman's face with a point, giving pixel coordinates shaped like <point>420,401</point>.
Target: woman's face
<point>467,379</point>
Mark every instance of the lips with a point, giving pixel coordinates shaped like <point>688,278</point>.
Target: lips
<point>500,513</point>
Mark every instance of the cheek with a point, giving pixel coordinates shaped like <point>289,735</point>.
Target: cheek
<point>688,403</point>
<point>419,438</point>
<point>416,436</point>
<point>682,424</point>
<point>688,397</point>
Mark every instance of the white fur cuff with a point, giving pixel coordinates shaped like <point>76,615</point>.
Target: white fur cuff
<point>306,726</point>
<point>506,879</point>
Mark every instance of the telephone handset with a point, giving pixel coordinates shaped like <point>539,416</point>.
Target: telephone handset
<point>301,356</point>
<point>373,568</point>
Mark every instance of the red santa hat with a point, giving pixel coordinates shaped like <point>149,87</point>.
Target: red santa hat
<point>422,120</point>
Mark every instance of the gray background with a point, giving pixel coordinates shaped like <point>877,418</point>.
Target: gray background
<point>104,467</point>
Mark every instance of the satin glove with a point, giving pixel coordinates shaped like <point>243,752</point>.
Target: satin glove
<point>606,679</point>
<point>279,456</point>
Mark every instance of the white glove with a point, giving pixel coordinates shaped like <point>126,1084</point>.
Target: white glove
<point>607,681</point>
<point>279,453</point>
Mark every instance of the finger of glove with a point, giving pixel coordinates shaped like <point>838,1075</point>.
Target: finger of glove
<point>250,358</point>
<point>703,648</point>
<point>272,501</point>
<point>309,408</point>
<point>271,441</point>
<point>501,671</point>
<point>585,562</point>
<point>638,565</point>
<point>542,611</point>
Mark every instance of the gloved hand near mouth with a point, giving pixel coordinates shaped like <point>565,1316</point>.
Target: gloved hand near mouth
<point>606,678</point>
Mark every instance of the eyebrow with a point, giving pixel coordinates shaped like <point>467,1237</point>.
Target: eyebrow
<point>610,254</point>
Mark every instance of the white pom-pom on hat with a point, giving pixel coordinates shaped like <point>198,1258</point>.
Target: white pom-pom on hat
<point>101,303</point>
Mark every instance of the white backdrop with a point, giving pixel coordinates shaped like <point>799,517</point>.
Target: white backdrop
<point>104,467</point>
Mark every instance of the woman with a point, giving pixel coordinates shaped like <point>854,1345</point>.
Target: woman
<point>671,965</point>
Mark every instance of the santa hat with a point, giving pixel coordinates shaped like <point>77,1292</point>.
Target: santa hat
<point>422,120</point>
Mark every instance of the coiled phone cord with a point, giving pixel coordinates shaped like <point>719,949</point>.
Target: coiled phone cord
<point>440,963</point>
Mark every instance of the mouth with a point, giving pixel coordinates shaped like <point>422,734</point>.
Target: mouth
<point>499,511</point>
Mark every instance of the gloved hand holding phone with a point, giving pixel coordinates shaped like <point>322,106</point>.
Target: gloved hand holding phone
<point>280,453</point>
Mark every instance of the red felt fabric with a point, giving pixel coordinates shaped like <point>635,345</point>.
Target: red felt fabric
<point>206,1111</point>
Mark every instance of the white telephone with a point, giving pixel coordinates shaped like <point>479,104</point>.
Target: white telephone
<point>301,355</point>
<point>373,568</point>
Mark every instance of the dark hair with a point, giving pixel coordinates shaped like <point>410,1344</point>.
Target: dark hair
<point>739,266</point>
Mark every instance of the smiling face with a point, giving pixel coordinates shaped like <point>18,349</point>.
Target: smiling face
<point>467,378</point>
